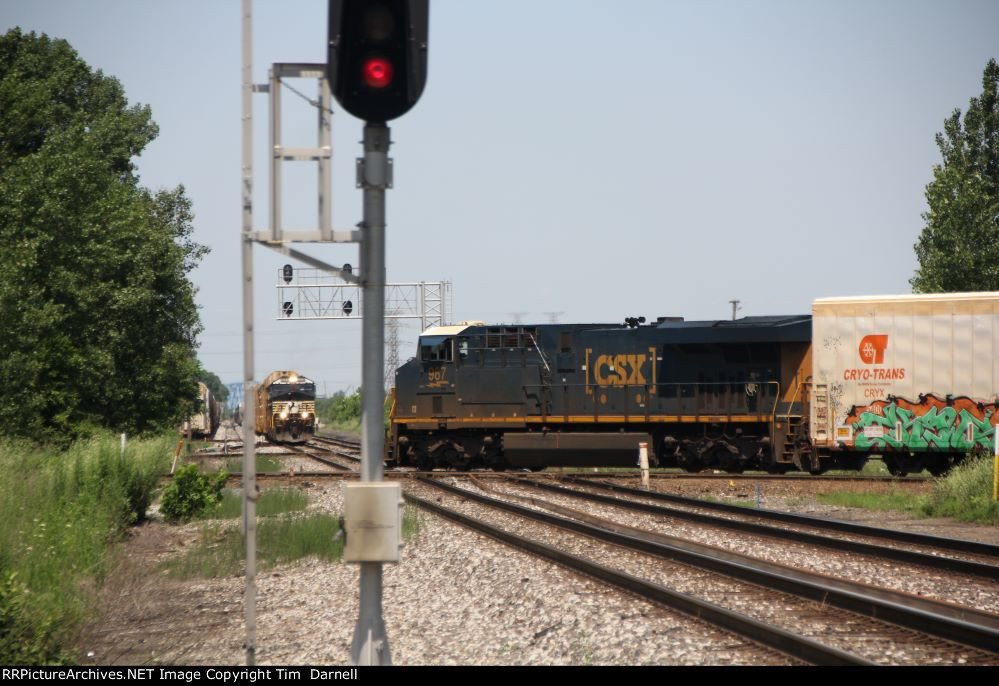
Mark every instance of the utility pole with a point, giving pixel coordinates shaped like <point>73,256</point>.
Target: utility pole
<point>735,307</point>
<point>249,404</point>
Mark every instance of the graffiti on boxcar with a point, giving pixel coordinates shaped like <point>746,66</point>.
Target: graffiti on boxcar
<point>931,424</point>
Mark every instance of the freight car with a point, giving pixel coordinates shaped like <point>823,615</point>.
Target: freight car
<point>913,378</point>
<point>731,395</point>
<point>286,407</point>
<point>205,421</point>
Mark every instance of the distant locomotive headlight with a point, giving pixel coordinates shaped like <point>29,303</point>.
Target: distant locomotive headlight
<point>293,379</point>
<point>305,415</point>
<point>284,415</point>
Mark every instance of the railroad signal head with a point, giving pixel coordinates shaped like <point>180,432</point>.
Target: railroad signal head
<point>348,307</point>
<point>377,59</point>
<point>288,273</point>
<point>287,308</point>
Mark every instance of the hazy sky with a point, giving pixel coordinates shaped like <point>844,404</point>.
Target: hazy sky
<point>598,160</point>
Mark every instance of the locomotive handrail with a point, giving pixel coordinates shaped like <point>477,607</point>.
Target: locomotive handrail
<point>653,389</point>
<point>541,354</point>
<point>797,389</point>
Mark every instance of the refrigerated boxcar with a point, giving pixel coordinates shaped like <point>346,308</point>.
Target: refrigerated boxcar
<point>912,377</point>
<point>205,420</point>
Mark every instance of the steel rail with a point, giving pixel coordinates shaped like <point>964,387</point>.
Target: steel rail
<point>948,628</point>
<point>334,448</point>
<point>899,554</point>
<point>745,627</point>
<point>325,460</point>
<point>805,478</point>
<point>956,544</point>
<point>947,609</point>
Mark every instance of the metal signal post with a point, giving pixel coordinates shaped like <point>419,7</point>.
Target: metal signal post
<point>377,68</point>
<point>370,644</point>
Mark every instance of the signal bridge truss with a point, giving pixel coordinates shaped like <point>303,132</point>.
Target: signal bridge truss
<point>318,294</point>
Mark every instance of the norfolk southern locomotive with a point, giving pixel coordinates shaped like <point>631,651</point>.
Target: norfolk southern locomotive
<point>911,378</point>
<point>286,407</point>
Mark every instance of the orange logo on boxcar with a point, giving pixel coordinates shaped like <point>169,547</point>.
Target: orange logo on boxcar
<point>872,348</point>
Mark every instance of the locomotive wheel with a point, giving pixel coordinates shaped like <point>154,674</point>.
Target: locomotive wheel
<point>689,460</point>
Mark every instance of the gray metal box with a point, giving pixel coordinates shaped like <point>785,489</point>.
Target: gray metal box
<point>372,514</point>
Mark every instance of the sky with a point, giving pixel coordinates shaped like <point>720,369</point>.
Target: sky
<point>570,160</point>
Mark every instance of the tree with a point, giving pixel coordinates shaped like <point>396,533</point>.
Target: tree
<point>98,323</point>
<point>958,249</point>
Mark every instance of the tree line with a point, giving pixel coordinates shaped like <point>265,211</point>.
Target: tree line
<point>98,321</point>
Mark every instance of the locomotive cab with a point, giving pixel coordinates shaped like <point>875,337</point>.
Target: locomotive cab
<point>286,407</point>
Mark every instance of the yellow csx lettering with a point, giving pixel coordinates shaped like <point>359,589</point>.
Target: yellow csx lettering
<point>621,370</point>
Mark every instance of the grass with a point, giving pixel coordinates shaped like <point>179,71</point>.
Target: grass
<point>61,514</point>
<point>272,502</point>
<point>222,548</point>
<point>873,467</point>
<point>349,425</point>
<point>264,464</point>
<point>904,502</point>
<point>280,538</point>
<point>412,522</point>
<point>965,493</point>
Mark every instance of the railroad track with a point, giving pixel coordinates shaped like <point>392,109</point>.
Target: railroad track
<point>346,448</point>
<point>833,615</point>
<point>725,476</point>
<point>987,554</point>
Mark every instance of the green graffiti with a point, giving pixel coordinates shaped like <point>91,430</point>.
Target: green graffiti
<point>944,429</point>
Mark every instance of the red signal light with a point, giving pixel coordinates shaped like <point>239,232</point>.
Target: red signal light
<point>377,72</point>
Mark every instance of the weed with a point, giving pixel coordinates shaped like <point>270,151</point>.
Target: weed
<point>60,515</point>
<point>872,501</point>
<point>191,493</point>
<point>222,549</point>
<point>412,522</point>
<point>965,493</point>
<point>271,502</point>
<point>264,464</point>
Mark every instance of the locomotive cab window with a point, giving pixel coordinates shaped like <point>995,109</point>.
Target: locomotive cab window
<point>436,349</point>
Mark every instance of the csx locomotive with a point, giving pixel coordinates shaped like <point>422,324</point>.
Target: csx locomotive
<point>731,395</point>
<point>286,407</point>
